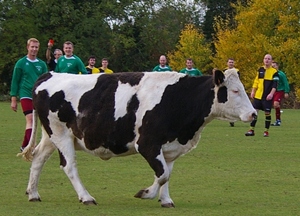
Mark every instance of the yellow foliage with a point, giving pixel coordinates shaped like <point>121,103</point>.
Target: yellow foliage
<point>265,26</point>
<point>191,45</point>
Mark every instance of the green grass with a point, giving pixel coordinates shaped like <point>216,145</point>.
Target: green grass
<point>227,174</point>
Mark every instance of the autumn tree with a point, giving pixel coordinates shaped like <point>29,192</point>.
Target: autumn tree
<point>218,9</point>
<point>268,26</point>
<point>192,44</point>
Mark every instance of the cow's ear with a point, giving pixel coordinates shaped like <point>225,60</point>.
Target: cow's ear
<point>218,77</point>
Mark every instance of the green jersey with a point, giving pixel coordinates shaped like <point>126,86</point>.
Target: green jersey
<point>72,65</point>
<point>159,68</point>
<point>191,72</point>
<point>25,74</point>
<point>283,84</point>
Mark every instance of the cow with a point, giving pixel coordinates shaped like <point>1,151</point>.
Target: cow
<point>158,115</point>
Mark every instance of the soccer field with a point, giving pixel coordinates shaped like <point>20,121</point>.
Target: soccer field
<point>227,174</point>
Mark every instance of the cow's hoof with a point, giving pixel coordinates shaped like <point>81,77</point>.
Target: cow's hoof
<point>89,202</point>
<point>35,200</point>
<point>168,205</point>
<point>141,193</point>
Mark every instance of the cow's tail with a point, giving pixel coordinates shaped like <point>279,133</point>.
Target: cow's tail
<point>27,152</point>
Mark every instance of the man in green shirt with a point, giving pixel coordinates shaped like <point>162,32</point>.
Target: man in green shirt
<point>189,69</point>
<point>70,63</point>
<point>162,67</point>
<point>26,72</point>
<point>282,91</point>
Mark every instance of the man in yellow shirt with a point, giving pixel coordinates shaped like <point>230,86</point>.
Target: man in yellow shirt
<point>104,68</point>
<point>263,89</point>
<point>91,69</point>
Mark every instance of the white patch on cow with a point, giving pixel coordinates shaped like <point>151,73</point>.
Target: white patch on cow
<point>153,86</point>
<point>148,92</point>
<point>71,85</point>
<point>103,153</point>
<point>123,96</point>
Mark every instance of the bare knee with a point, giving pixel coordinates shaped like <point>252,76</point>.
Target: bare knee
<point>28,118</point>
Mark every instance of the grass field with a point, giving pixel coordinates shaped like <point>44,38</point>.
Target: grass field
<point>227,174</point>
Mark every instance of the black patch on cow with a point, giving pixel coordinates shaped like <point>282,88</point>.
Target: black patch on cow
<point>181,113</point>
<point>131,78</point>
<point>96,114</point>
<point>44,77</point>
<point>218,77</point>
<point>41,104</point>
<point>62,159</point>
<point>66,113</point>
<point>222,94</point>
<point>57,101</point>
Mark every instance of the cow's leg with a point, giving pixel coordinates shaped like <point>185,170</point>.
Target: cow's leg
<point>41,154</point>
<point>164,196</point>
<point>162,174</point>
<point>68,164</point>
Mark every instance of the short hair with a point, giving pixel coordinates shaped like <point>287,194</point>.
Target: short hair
<point>55,51</point>
<point>232,59</point>
<point>105,59</point>
<point>32,40</point>
<point>189,59</point>
<point>92,57</point>
<point>69,43</point>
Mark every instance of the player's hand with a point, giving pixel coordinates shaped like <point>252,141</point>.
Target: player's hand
<point>14,106</point>
<point>269,97</point>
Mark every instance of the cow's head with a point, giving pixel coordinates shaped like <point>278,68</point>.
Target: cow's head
<point>231,101</point>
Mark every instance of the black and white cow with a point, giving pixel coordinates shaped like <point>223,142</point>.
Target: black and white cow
<point>159,115</point>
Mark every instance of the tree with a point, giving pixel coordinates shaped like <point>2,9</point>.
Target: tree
<point>82,22</point>
<point>16,23</point>
<point>221,9</point>
<point>192,44</point>
<point>158,24</point>
<point>132,34</point>
<point>269,26</point>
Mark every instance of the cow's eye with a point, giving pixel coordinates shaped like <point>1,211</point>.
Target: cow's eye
<point>235,91</point>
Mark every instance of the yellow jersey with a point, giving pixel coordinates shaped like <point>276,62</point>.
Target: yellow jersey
<point>107,71</point>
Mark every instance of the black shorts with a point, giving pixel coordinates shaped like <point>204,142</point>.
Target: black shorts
<point>265,105</point>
